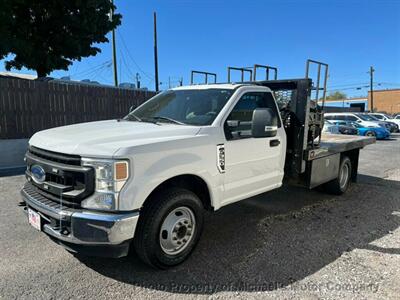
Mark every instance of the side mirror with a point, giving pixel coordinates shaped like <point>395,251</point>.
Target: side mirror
<point>264,123</point>
<point>131,109</point>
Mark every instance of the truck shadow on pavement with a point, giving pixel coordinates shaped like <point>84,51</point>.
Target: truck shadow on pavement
<point>272,240</point>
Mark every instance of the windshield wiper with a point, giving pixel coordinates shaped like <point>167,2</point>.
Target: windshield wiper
<point>167,119</point>
<point>153,120</point>
<point>136,117</point>
<point>146,120</point>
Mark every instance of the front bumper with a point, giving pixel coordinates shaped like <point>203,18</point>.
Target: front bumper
<point>382,135</point>
<point>79,230</point>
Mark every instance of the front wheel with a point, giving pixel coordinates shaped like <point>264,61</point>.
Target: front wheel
<point>169,228</point>
<point>339,185</point>
<point>370,133</point>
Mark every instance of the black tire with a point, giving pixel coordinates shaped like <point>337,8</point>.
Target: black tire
<point>370,133</point>
<point>339,185</point>
<point>147,240</point>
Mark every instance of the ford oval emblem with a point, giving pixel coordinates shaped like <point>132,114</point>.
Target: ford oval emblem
<point>38,174</point>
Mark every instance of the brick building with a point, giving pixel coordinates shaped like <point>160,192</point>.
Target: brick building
<point>386,101</point>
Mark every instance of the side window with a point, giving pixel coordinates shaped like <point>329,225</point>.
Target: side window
<point>340,117</point>
<point>351,118</point>
<point>331,117</point>
<point>242,114</point>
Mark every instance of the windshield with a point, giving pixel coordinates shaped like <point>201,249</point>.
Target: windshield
<point>191,107</point>
<point>366,117</point>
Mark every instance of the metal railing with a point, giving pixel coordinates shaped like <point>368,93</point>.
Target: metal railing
<point>317,87</point>
<point>242,70</point>
<point>267,71</point>
<point>206,76</point>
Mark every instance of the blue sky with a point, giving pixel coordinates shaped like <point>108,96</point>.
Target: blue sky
<point>210,35</point>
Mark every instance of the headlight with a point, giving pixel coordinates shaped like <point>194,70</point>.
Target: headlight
<point>110,177</point>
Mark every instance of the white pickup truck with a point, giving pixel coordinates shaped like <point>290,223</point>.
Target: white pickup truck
<point>144,181</point>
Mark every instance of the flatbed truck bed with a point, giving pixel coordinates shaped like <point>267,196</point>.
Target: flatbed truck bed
<point>337,143</point>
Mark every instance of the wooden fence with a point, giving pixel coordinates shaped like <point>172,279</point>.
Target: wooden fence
<point>28,106</point>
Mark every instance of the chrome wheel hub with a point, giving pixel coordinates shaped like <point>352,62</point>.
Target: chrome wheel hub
<point>177,230</point>
<point>344,175</point>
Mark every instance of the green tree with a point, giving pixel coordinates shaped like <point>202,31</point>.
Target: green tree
<point>336,96</point>
<point>47,35</point>
<point>5,30</point>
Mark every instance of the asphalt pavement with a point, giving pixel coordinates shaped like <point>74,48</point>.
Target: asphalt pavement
<point>289,243</point>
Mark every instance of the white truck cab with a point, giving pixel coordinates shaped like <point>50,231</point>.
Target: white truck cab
<point>145,180</point>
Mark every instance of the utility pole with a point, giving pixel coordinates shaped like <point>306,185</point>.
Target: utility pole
<point>155,52</point>
<point>371,73</point>
<point>137,81</point>
<point>114,51</point>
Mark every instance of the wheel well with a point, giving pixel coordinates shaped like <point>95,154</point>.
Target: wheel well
<point>190,182</point>
<point>353,156</point>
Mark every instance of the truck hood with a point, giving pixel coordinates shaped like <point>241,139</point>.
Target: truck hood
<point>104,138</point>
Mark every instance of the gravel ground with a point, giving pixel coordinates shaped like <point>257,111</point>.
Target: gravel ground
<point>290,243</point>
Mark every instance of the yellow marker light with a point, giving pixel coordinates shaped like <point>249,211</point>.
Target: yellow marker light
<point>121,170</point>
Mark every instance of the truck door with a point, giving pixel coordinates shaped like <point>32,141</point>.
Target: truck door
<point>252,165</point>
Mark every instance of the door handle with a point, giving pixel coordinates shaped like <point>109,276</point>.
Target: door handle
<point>274,143</point>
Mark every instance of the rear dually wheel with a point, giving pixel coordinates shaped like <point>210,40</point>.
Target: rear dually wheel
<point>339,185</point>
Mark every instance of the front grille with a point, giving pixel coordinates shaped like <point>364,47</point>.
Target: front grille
<point>65,179</point>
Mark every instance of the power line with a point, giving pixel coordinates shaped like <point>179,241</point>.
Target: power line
<point>93,69</point>
<point>357,87</point>
<point>133,60</point>
<point>100,73</point>
<point>96,71</point>
<point>348,84</point>
<point>126,65</point>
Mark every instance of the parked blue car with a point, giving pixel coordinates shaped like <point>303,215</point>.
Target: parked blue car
<point>380,133</point>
